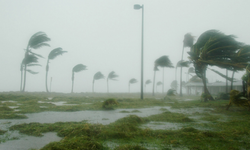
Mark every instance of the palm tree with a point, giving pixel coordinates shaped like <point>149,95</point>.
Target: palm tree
<point>181,64</point>
<point>187,42</point>
<point>97,76</point>
<point>147,82</point>
<point>155,69</point>
<point>163,61</point>
<point>158,84</point>
<point>77,68</point>
<point>52,55</point>
<point>216,49</point>
<point>111,76</point>
<point>174,85</point>
<point>36,41</point>
<point>131,81</point>
<point>28,61</point>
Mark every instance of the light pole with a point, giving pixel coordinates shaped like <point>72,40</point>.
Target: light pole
<point>137,7</point>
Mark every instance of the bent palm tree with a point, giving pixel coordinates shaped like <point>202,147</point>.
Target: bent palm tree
<point>28,61</point>
<point>155,69</point>
<point>36,41</point>
<point>147,82</point>
<point>163,61</point>
<point>158,84</point>
<point>187,42</point>
<point>111,76</point>
<point>52,55</point>
<point>97,76</point>
<point>131,81</point>
<point>181,64</point>
<point>216,49</point>
<point>77,68</point>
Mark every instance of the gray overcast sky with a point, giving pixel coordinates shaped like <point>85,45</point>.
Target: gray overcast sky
<point>105,35</point>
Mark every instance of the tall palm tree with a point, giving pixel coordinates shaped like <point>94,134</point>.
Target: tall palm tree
<point>163,61</point>
<point>182,64</point>
<point>158,84</point>
<point>112,76</point>
<point>77,68</point>
<point>28,61</point>
<point>36,41</point>
<point>97,76</point>
<point>216,49</point>
<point>147,82</point>
<point>155,69</point>
<point>52,55</point>
<point>187,42</point>
<point>131,81</point>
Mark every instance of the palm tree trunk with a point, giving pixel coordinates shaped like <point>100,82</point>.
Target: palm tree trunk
<point>46,77</point>
<point>154,84</point>
<point>181,72</point>
<point>207,93</point>
<point>162,79</point>
<point>93,84</point>
<point>232,82</point>
<point>50,84</point>
<point>72,82</point>
<point>108,85</point>
<point>25,68</point>
<point>176,73</point>
<point>21,69</point>
<point>226,81</point>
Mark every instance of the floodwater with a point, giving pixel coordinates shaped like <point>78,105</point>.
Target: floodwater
<point>24,142</point>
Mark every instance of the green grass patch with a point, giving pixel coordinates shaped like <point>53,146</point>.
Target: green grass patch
<point>170,117</point>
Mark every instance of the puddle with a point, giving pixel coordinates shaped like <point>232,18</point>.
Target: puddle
<point>43,106</point>
<point>30,142</point>
<point>57,103</point>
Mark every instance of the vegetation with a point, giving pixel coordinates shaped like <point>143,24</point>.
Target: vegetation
<point>77,68</point>
<point>112,76</point>
<point>131,81</point>
<point>52,55</point>
<point>109,103</point>
<point>97,76</point>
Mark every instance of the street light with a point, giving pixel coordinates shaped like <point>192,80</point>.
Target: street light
<point>137,7</point>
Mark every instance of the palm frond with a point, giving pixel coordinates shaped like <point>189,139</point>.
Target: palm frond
<point>222,75</point>
<point>112,75</point>
<point>56,52</point>
<point>191,70</point>
<point>38,55</point>
<point>164,61</point>
<point>183,63</point>
<point>159,83</point>
<point>148,81</point>
<point>30,59</point>
<point>156,68</point>
<point>188,40</point>
<point>31,65</point>
<point>38,40</point>
<point>79,67</point>
<point>32,72</point>
<point>98,76</point>
<point>132,81</point>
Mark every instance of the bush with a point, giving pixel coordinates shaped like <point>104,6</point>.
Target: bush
<point>223,96</point>
<point>109,103</point>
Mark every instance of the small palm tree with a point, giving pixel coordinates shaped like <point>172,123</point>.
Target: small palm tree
<point>158,84</point>
<point>28,61</point>
<point>155,69</point>
<point>187,42</point>
<point>147,82</point>
<point>52,55</point>
<point>131,81</point>
<point>163,61</point>
<point>97,76</point>
<point>77,68</point>
<point>181,64</point>
<point>36,41</point>
<point>112,76</point>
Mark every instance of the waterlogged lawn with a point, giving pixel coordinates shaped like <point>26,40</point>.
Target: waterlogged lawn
<point>201,126</point>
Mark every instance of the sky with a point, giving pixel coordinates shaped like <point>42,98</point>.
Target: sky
<point>106,36</point>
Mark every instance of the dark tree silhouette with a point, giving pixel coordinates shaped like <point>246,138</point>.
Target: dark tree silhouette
<point>77,68</point>
<point>112,76</point>
<point>97,76</point>
<point>131,81</point>
<point>52,55</point>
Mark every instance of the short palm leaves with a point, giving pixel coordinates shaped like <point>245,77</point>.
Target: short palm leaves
<point>52,55</point>
<point>77,68</point>
<point>131,81</point>
<point>97,76</point>
<point>112,76</point>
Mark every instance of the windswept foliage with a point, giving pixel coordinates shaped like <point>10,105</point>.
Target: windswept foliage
<point>131,81</point>
<point>77,68</point>
<point>52,55</point>
<point>112,76</point>
<point>97,76</point>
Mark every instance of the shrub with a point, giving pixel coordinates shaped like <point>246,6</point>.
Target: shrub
<point>109,103</point>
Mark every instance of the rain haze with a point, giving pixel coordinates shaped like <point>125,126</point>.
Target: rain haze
<point>106,36</point>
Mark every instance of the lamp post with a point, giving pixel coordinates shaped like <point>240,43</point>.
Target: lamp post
<point>137,7</point>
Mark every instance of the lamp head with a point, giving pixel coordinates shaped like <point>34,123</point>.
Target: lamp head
<point>137,6</point>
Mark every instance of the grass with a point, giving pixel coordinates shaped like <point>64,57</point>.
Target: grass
<point>215,128</point>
